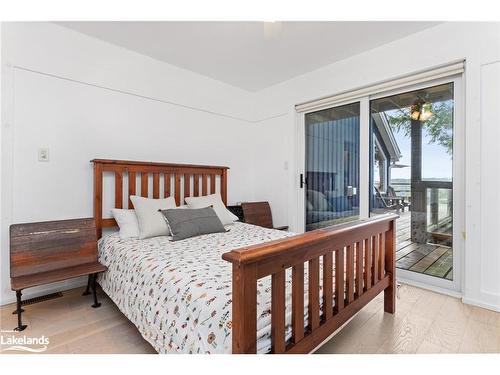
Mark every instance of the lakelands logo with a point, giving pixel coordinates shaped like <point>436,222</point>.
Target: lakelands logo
<point>10,342</point>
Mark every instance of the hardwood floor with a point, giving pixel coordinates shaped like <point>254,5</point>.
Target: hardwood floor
<point>425,322</point>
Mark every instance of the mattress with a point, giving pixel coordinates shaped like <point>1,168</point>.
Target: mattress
<point>178,294</point>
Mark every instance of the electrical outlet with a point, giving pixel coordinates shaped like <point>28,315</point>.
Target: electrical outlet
<point>43,154</point>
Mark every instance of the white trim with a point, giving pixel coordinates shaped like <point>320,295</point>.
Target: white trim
<point>427,286</point>
<point>476,302</point>
<point>299,217</point>
<point>426,281</point>
<point>364,158</point>
<point>458,191</point>
<point>442,71</point>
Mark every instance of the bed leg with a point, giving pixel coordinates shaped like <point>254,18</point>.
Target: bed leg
<point>20,326</point>
<point>390,269</point>
<point>244,309</point>
<point>390,297</point>
<point>94,291</point>
<point>87,290</point>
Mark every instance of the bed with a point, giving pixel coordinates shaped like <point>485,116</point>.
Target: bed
<point>249,290</point>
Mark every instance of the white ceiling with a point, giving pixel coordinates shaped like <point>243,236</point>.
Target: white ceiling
<point>249,55</point>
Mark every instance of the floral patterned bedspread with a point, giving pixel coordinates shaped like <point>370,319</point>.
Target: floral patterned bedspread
<point>178,294</point>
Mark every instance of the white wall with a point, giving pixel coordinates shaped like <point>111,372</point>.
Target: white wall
<point>83,99</point>
<point>479,44</point>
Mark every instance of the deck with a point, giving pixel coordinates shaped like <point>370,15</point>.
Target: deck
<point>433,260</point>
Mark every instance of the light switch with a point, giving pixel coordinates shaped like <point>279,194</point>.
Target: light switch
<point>43,154</point>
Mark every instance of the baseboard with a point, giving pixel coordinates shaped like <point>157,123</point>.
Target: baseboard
<point>432,288</point>
<point>484,305</point>
<point>46,289</point>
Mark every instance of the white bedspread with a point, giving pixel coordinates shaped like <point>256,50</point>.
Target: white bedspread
<point>178,294</point>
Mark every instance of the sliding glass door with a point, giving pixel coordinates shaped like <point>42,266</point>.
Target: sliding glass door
<point>393,152</point>
<point>412,175</point>
<point>332,166</point>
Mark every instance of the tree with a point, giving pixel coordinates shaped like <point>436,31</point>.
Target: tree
<point>439,126</point>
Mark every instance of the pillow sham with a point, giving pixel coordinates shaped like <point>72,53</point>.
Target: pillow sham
<point>215,201</point>
<point>127,222</point>
<point>151,221</point>
<point>193,222</point>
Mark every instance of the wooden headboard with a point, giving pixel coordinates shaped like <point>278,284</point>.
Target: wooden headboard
<point>167,179</point>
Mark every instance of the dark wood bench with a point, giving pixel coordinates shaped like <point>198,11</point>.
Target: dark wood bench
<point>46,252</point>
<point>259,213</point>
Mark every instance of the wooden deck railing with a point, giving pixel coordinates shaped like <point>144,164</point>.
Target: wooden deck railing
<point>361,255</point>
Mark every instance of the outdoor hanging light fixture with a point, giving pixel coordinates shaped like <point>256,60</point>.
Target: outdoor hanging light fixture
<point>421,111</point>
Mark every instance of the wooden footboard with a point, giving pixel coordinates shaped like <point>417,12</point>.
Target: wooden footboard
<point>358,261</point>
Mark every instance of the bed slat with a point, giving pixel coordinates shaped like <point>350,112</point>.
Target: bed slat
<point>278,313</point>
<point>118,190</point>
<point>350,273</point>
<point>313,305</point>
<point>382,256</point>
<point>156,185</point>
<point>166,185</point>
<point>187,186</point>
<point>212,183</point>
<point>359,268</point>
<point>131,187</point>
<point>298,302</point>
<point>177,188</point>
<point>144,184</point>
<point>196,185</point>
<point>339,279</point>
<point>368,264</point>
<point>204,185</point>
<point>328,285</point>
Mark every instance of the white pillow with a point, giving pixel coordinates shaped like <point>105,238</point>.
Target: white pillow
<point>127,221</point>
<point>214,200</point>
<point>317,200</point>
<point>151,221</point>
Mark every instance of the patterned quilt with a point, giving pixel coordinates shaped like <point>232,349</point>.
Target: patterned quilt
<point>178,294</point>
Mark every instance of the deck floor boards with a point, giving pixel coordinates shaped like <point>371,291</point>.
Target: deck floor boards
<point>429,259</point>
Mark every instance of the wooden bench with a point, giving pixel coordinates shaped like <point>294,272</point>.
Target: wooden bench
<point>259,213</point>
<point>46,252</point>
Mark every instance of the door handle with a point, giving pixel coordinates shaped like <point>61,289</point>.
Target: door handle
<point>303,181</point>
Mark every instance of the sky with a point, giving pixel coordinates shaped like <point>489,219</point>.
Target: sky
<point>436,162</point>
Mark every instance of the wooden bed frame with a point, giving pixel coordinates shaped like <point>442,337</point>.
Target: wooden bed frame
<point>358,258</point>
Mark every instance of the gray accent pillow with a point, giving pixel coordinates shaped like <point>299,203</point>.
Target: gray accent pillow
<point>192,222</point>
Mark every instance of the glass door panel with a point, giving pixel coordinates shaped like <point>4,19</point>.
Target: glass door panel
<point>411,174</point>
<point>332,166</point>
